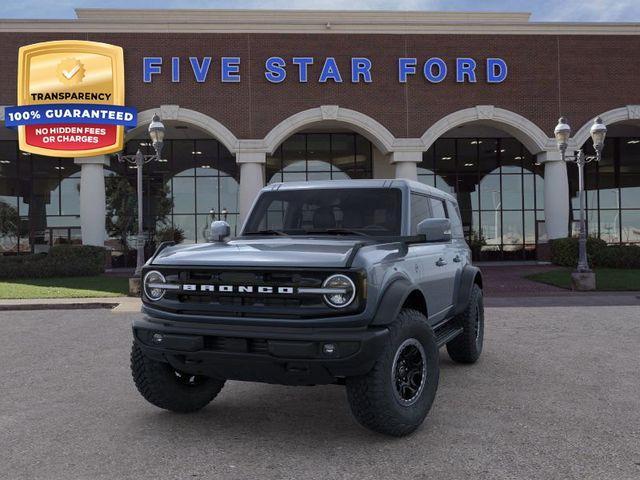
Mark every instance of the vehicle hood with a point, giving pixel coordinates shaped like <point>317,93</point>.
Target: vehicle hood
<point>271,252</point>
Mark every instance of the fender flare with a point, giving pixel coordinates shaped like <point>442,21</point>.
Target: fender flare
<point>392,300</point>
<point>467,279</point>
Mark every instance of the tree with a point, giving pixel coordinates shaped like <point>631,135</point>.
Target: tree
<point>122,208</point>
<point>9,221</point>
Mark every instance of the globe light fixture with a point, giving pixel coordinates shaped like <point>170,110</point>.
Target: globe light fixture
<point>598,133</point>
<point>562,133</point>
<point>156,133</point>
<point>583,278</point>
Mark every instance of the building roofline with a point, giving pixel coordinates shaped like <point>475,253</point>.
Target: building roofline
<point>285,15</point>
<point>310,21</point>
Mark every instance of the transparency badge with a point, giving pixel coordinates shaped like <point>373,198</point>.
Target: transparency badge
<point>70,99</point>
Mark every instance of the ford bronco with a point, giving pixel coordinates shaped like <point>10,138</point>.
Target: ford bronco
<point>355,282</point>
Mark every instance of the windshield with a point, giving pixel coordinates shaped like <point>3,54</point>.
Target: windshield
<point>339,211</point>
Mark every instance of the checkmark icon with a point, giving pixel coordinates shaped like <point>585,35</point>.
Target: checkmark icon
<point>71,73</point>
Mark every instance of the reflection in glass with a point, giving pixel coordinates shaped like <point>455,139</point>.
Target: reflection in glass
<point>512,230</point>
<point>512,192</point>
<point>206,195</point>
<point>630,221</point>
<point>610,226</point>
<point>183,195</point>
<point>630,191</point>
<point>320,156</point>
<point>188,225</point>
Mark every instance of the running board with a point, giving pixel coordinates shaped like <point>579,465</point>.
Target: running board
<point>447,333</point>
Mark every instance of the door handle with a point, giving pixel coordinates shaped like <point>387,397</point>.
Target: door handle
<point>441,262</point>
<point>457,259</point>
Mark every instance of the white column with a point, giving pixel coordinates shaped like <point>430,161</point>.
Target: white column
<point>406,164</point>
<point>556,194</point>
<point>93,208</point>
<point>251,180</point>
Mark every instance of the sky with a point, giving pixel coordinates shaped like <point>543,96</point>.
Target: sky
<point>542,10</point>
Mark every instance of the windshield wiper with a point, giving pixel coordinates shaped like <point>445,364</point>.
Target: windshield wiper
<point>267,232</point>
<point>338,231</point>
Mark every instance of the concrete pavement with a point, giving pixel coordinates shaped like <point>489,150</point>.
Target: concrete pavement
<point>555,395</point>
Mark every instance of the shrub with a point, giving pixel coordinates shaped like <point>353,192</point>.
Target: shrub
<point>618,256</point>
<point>61,261</point>
<point>564,252</point>
<point>169,234</point>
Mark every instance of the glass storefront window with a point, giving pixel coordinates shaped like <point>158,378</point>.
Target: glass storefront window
<point>612,191</point>
<point>499,189</point>
<point>630,224</point>
<point>512,192</point>
<point>630,190</point>
<point>320,156</point>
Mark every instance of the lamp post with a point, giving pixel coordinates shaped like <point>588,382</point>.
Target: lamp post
<point>562,133</point>
<point>156,133</point>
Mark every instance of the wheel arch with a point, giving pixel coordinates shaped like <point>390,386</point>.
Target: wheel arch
<point>399,294</point>
<point>470,276</point>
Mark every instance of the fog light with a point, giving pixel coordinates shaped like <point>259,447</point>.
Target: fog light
<point>329,348</point>
<point>157,338</point>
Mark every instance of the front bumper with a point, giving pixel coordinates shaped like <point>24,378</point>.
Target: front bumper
<point>288,356</point>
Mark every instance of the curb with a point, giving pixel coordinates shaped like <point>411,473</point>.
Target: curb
<point>57,306</point>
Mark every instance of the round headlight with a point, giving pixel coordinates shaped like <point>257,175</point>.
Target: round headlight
<point>345,291</point>
<point>151,280</point>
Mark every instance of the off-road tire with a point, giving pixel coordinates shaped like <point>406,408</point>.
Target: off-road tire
<point>467,347</point>
<point>161,385</point>
<point>373,397</point>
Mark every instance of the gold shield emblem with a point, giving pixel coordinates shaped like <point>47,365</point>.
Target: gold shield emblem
<point>71,72</point>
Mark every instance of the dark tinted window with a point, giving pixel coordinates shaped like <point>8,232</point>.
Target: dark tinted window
<point>419,210</point>
<point>374,211</point>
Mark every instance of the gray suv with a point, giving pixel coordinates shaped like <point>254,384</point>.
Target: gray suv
<point>355,282</point>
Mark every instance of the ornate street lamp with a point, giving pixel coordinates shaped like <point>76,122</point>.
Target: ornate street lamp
<point>156,133</point>
<point>562,133</point>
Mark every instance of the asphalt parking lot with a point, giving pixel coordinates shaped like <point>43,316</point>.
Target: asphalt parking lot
<point>555,395</point>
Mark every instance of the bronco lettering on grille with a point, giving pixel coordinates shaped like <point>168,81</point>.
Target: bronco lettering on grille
<point>265,289</point>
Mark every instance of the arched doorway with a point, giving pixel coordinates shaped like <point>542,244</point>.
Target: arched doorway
<point>327,143</point>
<point>499,187</point>
<point>317,154</point>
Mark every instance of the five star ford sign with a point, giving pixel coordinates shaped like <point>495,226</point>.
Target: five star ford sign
<point>70,99</point>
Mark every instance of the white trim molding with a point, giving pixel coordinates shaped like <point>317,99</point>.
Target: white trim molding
<point>622,114</point>
<point>531,136</point>
<point>185,115</point>
<point>373,130</point>
<point>312,21</point>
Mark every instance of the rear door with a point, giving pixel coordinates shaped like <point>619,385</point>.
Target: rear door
<point>426,264</point>
<point>448,261</point>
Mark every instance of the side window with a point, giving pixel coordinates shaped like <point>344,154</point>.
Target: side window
<point>456,222</point>
<point>437,206</point>
<point>419,210</point>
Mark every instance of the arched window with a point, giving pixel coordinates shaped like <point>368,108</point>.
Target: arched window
<point>320,156</point>
<point>499,190</point>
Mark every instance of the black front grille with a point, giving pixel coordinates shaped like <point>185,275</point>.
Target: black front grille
<point>234,304</point>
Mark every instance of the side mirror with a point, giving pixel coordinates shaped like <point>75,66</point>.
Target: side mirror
<point>435,229</point>
<point>219,231</point>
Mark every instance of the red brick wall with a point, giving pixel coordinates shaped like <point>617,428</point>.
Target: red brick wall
<point>578,76</point>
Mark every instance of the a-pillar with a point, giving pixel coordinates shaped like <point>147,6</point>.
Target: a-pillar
<point>406,164</point>
<point>92,199</point>
<point>556,194</point>
<point>251,180</point>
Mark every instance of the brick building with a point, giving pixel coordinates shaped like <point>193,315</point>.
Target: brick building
<point>463,101</point>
